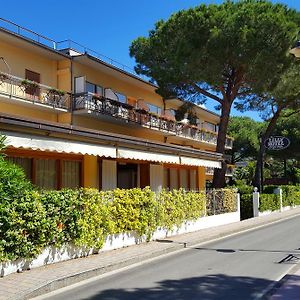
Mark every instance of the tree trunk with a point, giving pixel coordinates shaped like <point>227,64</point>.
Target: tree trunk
<point>257,182</point>
<point>219,174</point>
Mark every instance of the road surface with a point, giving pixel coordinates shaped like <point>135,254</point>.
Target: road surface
<point>239,267</point>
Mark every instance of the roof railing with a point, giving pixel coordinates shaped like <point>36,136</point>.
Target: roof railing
<point>41,39</point>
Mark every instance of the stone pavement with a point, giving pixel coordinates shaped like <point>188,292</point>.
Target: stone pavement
<point>48,278</point>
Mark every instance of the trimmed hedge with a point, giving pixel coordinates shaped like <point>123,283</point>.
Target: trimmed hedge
<point>269,202</point>
<point>85,217</point>
<point>31,220</point>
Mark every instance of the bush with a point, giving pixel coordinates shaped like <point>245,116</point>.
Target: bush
<point>269,189</point>
<point>133,210</point>
<point>246,206</point>
<point>13,182</point>
<point>62,212</point>
<point>24,227</point>
<point>269,202</point>
<point>177,206</point>
<point>31,220</point>
<point>290,195</point>
<point>229,202</point>
<point>92,222</point>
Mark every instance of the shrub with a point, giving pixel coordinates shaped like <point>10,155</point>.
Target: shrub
<point>134,210</point>
<point>177,206</point>
<point>229,202</point>
<point>93,222</point>
<point>246,206</point>
<point>24,227</point>
<point>62,212</point>
<point>13,182</point>
<point>269,202</point>
<point>269,189</point>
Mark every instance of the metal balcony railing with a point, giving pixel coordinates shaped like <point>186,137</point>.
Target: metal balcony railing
<point>19,88</point>
<point>128,113</point>
<point>229,171</point>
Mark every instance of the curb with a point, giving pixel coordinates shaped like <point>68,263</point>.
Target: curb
<point>175,247</point>
<point>278,284</point>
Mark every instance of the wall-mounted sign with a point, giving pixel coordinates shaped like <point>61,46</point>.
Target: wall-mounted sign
<point>277,143</point>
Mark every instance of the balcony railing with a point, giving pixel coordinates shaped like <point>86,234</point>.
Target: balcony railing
<point>128,113</point>
<point>15,87</point>
<point>229,171</point>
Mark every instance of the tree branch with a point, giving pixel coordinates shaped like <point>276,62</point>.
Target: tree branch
<point>206,93</point>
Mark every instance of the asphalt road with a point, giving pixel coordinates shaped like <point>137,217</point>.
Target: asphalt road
<point>237,267</point>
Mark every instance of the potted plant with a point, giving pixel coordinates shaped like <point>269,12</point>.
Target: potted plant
<point>56,92</point>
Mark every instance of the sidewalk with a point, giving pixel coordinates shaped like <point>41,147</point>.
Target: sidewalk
<point>48,278</point>
<point>289,287</point>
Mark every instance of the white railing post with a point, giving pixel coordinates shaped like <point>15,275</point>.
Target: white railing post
<point>238,204</point>
<point>278,191</point>
<point>255,202</point>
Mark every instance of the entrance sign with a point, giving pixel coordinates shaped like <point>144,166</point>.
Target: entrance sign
<point>277,143</point>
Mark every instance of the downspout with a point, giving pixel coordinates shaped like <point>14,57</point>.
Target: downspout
<point>72,91</point>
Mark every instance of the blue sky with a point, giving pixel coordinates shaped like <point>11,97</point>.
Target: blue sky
<point>107,27</point>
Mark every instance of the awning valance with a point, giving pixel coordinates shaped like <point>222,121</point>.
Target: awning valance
<point>148,156</point>
<point>35,142</point>
<point>200,162</point>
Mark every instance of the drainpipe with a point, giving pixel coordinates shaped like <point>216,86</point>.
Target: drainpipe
<point>72,91</point>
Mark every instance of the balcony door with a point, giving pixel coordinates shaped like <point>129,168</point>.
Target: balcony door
<point>126,176</point>
<point>31,90</point>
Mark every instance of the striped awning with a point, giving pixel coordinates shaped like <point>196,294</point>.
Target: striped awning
<point>147,156</point>
<point>191,161</point>
<point>46,143</point>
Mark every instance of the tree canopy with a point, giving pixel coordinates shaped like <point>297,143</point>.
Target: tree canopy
<point>246,133</point>
<point>227,52</point>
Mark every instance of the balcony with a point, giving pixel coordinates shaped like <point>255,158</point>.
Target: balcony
<point>87,102</point>
<point>29,92</point>
<point>229,171</point>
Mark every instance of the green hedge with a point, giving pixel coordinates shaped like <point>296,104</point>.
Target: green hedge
<point>30,219</point>
<point>85,217</point>
<point>269,202</point>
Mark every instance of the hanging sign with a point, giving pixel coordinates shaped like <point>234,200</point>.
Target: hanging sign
<point>277,143</point>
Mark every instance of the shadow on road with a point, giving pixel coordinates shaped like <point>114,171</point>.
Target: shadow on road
<point>210,287</point>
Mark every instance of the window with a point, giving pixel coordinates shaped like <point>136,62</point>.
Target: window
<point>126,176</point>
<point>32,76</point>
<point>122,98</point>
<point>70,174</point>
<point>154,109</point>
<point>50,174</point>
<point>24,163</point>
<point>210,126</point>
<point>94,89</point>
<point>175,178</point>
<point>184,181</point>
<point>46,174</point>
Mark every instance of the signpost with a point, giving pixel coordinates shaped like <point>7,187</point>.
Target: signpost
<point>276,143</point>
